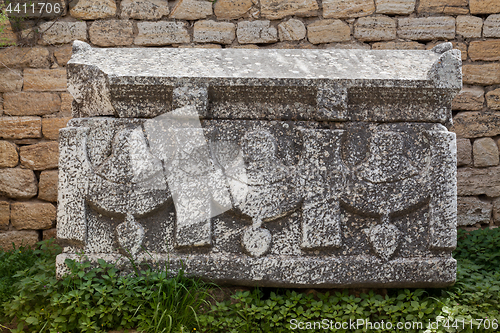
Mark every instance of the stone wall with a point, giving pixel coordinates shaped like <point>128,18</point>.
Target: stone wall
<point>34,102</point>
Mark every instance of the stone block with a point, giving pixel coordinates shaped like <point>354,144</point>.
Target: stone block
<point>484,6</point>
<point>144,9</point>
<point>7,35</point>
<point>347,9</point>
<point>481,74</point>
<point>479,181</point>
<point>493,99</point>
<point>9,156</point>
<point>161,33</point>
<point>32,215</point>
<point>487,50</point>
<point>469,26</point>
<point>469,99</point>
<point>51,127</point>
<point>491,26</point>
<point>40,156</point>
<point>62,32</point>
<point>398,46</point>
<point>395,7</point>
<point>496,211</point>
<point>18,183</point>
<point>19,238</point>
<point>10,80</point>
<point>51,233</point>
<point>476,124</point>
<point>112,33</point>
<point>328,31</point>
<point>20,127</point>
<point>471,211</point>
<point>278,9</point>
<point>447,7</point>
<point>45,79</point>
<point>369,29</point>
<point>200,46</point>
<point>464,152</point>
<point>35,57</point>
<point>462,47</point>
<point>4,214</point>
<point>63,54</point>
<point>66,104</point>
<point>92,9</point>
<point>485,152</point>
<point>47,188</point>
<point>232,9</point>
<point>292,29</point>
<point>256,32</point>
<point>214,32</point>
<point>191,9</point>
<point>31,103</point>
<point>427,28</point>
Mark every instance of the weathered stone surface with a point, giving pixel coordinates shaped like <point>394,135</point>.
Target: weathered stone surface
<point>63,54</point>
<point>191,9</point>
<point>487,50</point>
<point>496,211</point>
<point>469,98</point>
<point>493,99</point>
<point>7,36</point>
<point>32,215</point>
<point>328,31</point>
<point>4,214</point>
<point>256,32</point>
<point>427,28</point>
<point>45,79</point>
<point>464,152</point>
<point>66,104</point>
<point>398,46</point>
<point>144,9</point>
<point>292,29</point>
<point>347,9</point>
<point>47,188</point>
<point>469,26</point>
<point>10,80</point>
<point>481,74</point>
<point>375,28</point>
<point>200,46</point>
<point>214,32</point>
<point>112,33</point>
<point>40,156</point>
<point>478,181</point>
<point>462,47</point>
<point>471,210</point>
<point>19,238</point>
<point>476,124</point>
<point>92,9</point>
<point>491,27</point>
<point>161,33</point>
<point>232,9</point>
<point>449,7</point>
<point>278,9</point>
<point>35,57</point>
<point>18,183</point>
<point>50,233</point>
<point>31,103</point>
<point>484,6</point>
<point>20,127</point>
<point>485,152</point>
<point>395,7</point>
<point>51,127</point>
<point>8,154</point>
<point>62,32</point>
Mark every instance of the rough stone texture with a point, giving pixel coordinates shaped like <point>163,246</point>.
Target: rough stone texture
<point>328,31</point>
<point>31,103</point>
<point>45,79</point>
<point>464,152</point>
<point>214,32</point>
<point>427,28</point>
<point>62,32</point>
<point>112,33</point>
<point>347,9</point>
<point>496,211</point>
<point>471,210</point>
<point>47,188</point>
<point>395,7</point>
<point>92,9</point>
<point>52,233</point>
<point>491,27</point>
<point>191,9</point>
<point>63,54</point>
<point>40,156</point>
<point>256,32</point>
<point>484,6</point>
<point>487,50</point>
<point>20,127</point>
<point>485,152</point>
<point>232,9</point>
<point>398,46</point>
<point>369,29</point>
<point>449,7</point>
<point>462,47</point>
<point>469,26</point>
<point>476,124</point>
<point>8,154</point>
<point>51,127</point>
<point>278,9</point>
<point>493,99</point>
<point>10,80</point>
<point>161,33</point>
<point>18,183</point>
<point>481,74</point>
<point>8,36</point>
<point>66,104</point>
<point>32,215</point>
<point>144,9</point>
<point>35,57</point>
<point>4,215</point>
<point>292,29</point>
<point>478,181</point>
<point>470,98</point>
<point>19,238</point>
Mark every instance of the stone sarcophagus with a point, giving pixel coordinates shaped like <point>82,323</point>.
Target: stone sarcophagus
<point>293,168</point>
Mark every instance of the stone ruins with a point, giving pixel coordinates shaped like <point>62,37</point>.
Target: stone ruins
<point>270,167</point>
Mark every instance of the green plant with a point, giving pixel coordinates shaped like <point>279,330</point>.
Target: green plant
<point>482,247</point>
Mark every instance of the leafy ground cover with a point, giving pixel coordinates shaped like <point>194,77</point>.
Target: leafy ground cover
<point>100,299</point>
